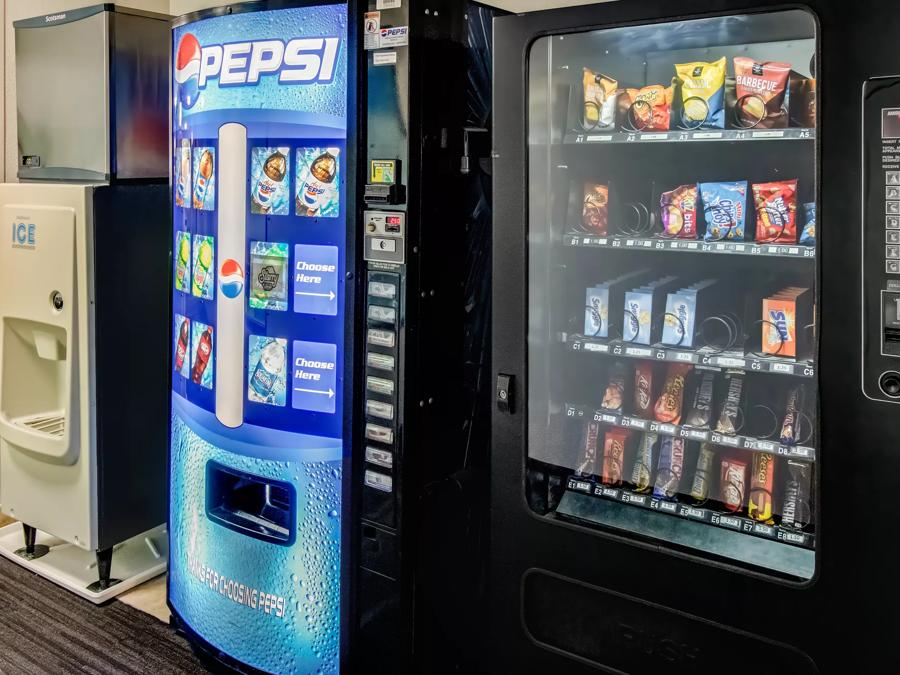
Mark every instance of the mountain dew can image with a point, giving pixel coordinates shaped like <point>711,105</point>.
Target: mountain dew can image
<point>182,261</point>
<point>201,286</point>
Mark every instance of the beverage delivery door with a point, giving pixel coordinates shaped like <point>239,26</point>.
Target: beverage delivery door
<point>259,104</point>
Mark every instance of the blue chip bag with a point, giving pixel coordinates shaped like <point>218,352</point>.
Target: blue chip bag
<point>808,235</point>
<point>725,210</point>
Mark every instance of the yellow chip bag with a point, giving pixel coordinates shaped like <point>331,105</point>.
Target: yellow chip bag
<point>702,94</point>
<point>600,94</point>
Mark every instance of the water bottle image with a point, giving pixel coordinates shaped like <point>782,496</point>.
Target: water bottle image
<point>268,373</point>
<point>183,186</point>
<point>317,192</point>
<point>203,178</point>
<point>270,182</point>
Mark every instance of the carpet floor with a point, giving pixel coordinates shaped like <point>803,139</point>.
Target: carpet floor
<point>45,629</point>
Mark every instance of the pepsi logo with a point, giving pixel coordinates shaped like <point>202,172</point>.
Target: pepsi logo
<point>187,70</point>
<point>231,278</point>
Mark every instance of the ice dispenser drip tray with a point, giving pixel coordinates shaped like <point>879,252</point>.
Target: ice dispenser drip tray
<point>259,507</point>
<point>35,387</point>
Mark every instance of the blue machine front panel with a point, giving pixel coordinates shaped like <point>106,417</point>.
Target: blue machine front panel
<point>259,104</point>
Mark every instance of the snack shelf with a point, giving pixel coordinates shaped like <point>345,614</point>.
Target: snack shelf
<point>691,246</point>
<point>703,357</point>
<point>698,514</point>
<point>798,452</point>
<point>600,137</point>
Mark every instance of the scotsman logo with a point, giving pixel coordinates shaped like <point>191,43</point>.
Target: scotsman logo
<point>297,61</point>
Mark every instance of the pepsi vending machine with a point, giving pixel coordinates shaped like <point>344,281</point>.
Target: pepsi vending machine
<point>260,347</point>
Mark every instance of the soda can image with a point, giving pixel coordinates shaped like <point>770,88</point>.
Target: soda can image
<point>202,358</point>
<point>204,175</point>
<point>269,181</point>
<point>182,359</point>
<point>268,270</point>
<point>318,194</point>
<point>183,174</point>
<point>183,262</point>
<point>204,267</point>
<point>267,370</point>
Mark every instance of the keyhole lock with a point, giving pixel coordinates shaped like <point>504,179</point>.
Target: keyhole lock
<point>56,299</point>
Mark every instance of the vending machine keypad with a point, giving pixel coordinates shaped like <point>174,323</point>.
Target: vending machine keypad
<point>881,239</point>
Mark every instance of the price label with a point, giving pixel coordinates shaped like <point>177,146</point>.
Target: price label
<point>729,521</point>
<point>782,368</point>
<point>729,362</point>
<point>595,138</point>
<point>654,137</point>
<point>667,429</point>
<point>687,357</point>
<point>729,440</point>
<point>691,512</point>
<point>595,347</point>
<point>765,530</point>
<point>792,537</point>
<point>640,500</point>
<point>638,351</point>
<point>669,507</point>
<point>608,419</point>
<point>580,485</point>
<point>610,492</point>
<point>637,423</point>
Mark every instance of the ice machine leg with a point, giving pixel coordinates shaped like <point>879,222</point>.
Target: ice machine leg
<point>31,550</point>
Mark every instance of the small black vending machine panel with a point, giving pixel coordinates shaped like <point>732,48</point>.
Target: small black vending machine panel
<point>881,239</point>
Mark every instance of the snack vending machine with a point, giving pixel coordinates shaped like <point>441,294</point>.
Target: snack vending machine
<point>695,413</point>
<point>262,108</point>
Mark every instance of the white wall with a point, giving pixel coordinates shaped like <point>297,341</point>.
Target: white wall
<point>13,10</point>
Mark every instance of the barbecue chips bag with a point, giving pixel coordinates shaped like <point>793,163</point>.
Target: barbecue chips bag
<point>761,90</point>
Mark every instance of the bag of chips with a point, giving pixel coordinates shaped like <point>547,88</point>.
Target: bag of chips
<point>678,212</point>
<point>724,209</point>
<point>702,94</point>
<point>600,95</point>
<point>595,212</point>
<point>648,108</point>
<point>761,89</point>
<point>808,236</point>
<point>776,211</point>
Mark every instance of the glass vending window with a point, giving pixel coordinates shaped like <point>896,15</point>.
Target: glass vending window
<point>672,299</point>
